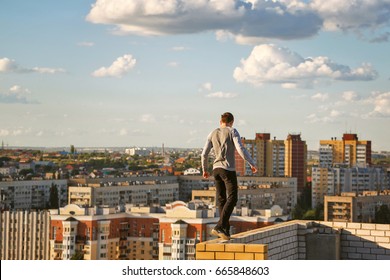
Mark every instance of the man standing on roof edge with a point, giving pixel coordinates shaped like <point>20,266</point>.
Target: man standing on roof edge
<point>225,140</point>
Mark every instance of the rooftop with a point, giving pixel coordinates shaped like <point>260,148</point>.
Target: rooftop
<point>303,240</point>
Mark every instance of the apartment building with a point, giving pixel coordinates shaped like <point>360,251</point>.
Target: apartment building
<point>253,197</point>
<point>350,207</point>
<point>31,194</point>
<point>185,225</point>
<point>295,159</point>
<point>189,183</point>
<point>24,235</point>
<point>349,150</point>
<point>268,154</point>
<point>335,180</point>
<point>276,158</point>
<point>112,194</point>
<point>103,233</point>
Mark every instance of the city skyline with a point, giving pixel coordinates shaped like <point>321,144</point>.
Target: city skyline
<point>142,73</point>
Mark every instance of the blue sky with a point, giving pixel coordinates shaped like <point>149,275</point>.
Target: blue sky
<point>143,73</point>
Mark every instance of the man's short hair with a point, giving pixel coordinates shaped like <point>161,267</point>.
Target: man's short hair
<point>227,117</point>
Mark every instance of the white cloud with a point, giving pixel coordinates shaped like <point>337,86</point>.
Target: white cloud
<point>45,70</point>
<point>350,96</point>
<point>244,20</point>
<point>15,131</point>
<point>289,85</point>
<point>320,97</point>
<point>272,64</point>
<point>269,19</point>
<point>4,132</point>
<point>179,49</point>
<point>242,122</point>
<point>86,44</point>
<point>147,118</point>
<point>314,118</point>
<point>16,89</point>
<point>10,66</point>
<point>220,94</point>
<point>381,102</point>
<point>206,86</point>
<point>173,64</point>
<point>118,68</point>
<point>353,15</point>
<point>16,94</point>
<point>123,132</point>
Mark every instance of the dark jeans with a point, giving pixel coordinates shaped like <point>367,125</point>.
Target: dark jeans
<point>227,189</point>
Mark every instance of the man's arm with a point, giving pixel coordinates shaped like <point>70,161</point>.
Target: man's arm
<point>242,151</point>
<point>205,156</point>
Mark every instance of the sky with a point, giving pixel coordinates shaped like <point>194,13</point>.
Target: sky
<point>128,73</point>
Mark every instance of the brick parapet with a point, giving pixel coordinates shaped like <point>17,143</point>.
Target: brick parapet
<point>231,251</point>
<point>361,240</point>
<point>288,241</point>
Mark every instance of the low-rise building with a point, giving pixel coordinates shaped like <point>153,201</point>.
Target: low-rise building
<point>114,194</point>
<point>98,233</point>
<point>31,194</point>
<point>349,207</point>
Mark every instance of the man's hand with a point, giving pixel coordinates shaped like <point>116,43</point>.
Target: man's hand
<point>254,169</point>
<point>206,175</point>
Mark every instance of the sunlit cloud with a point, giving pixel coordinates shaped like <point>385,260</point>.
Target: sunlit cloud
<point>118,68</point>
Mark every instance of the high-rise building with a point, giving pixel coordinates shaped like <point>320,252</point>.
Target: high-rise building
<point>295,159</point>
<point>349,150</point>
<point>24,235</point>
<point>338,179</point>
<point>276,158</point>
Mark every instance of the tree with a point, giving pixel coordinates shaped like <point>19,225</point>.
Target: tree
<point>78,255</point>
<point>72,149</point>
<point>53,203</point>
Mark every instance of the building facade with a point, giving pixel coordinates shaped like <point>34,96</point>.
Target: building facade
<point>269,155</point>
<point>102,234</point>
<point>185,225</point>
<point>152,192</point>
<point>349,207</point>
<point>295,159</point>
<point>335,180</point>
<point>349,150</point>
<point>24,235</point>
<point>276,158</point>
<point>255,197</point>
<point>31,194</point>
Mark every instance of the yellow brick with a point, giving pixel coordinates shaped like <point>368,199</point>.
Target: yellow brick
<point>260,256</point>
<point>224,256</point>
<point>244,256</point>
<point>216,247</point>
<point>231,247</point>
<point>205,255</point>
<point>256,248</point>
<point>201,247</point>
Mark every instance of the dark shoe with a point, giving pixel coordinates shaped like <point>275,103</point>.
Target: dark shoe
<point>227,231</point>
<point>220,233</point>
